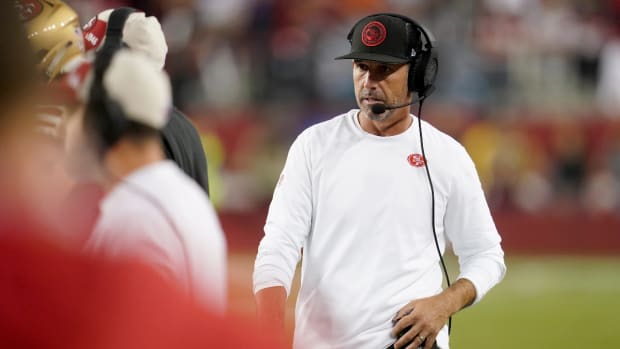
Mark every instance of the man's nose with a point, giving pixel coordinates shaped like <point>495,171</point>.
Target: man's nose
<point>371,81</point>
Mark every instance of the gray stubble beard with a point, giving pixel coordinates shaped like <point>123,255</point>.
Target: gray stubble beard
<point>376,117</point>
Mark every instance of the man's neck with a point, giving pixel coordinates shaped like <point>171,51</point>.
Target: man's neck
<point>126,157</point>
<point>396,123</point>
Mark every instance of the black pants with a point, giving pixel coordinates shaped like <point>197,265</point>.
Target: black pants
<point>420,347</point>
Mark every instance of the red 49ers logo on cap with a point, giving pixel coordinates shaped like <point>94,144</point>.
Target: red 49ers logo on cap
<point>94,31</point>
<point>416,160</point>
<point>373,34</point>
<point>27,9</point>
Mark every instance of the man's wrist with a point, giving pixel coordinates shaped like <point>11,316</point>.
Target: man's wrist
<point>460,294</point>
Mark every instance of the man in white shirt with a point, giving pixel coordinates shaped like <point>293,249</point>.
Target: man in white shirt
<point>151,210</point>
<point>355,196</point>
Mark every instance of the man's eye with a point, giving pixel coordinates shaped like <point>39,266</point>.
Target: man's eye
<point>385,69</point>
<point>362,66</point>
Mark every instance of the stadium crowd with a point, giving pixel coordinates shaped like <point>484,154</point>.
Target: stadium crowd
<point>539,112</point>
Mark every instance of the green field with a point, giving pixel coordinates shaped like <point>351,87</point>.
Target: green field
<point>544,302</point>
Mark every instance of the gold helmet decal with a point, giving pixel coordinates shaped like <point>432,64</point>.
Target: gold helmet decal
<point>54,32</point>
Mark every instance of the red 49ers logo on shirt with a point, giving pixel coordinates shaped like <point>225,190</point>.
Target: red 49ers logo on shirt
<point>27,9</point>
<point>416,160</point>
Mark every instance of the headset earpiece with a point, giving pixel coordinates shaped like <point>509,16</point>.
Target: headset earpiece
<point>423,72</point>
<point>415,58</point>
<point>423,62</point>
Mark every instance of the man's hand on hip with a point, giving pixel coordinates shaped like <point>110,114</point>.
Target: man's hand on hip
<point>421,320</point>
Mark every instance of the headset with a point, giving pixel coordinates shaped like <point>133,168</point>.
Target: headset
<point>104,117</point>
<point>423,59</point>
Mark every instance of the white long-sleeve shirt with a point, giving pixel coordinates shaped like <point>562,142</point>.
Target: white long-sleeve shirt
<point>159,215</point>
<point>361,211</point>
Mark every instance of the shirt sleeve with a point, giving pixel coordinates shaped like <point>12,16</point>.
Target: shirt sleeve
<point>470,228</point>
<point>288,222</point>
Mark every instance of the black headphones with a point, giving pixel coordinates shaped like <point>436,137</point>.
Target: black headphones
<point>423,60</point>
<point>104,117</point>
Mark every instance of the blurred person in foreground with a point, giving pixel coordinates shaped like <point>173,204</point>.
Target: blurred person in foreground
<point>355,196</point>
<point>18,140</point>
<point>151,209</point>
<point>53,298</point>
<point>55,37</point>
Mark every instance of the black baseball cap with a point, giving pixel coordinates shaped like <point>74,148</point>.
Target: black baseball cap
<point>382,38</point>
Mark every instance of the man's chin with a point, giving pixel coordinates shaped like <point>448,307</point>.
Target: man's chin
<point>367,112</point>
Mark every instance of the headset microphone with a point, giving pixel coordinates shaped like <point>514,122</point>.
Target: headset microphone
<point>380,108</point>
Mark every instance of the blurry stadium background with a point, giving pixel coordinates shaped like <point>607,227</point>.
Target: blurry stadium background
<point>530,87</point>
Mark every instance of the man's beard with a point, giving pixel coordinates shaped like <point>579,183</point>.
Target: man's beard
<point>376,117</point>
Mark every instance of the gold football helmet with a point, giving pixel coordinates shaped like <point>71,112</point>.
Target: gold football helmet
<point>54,32</point>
